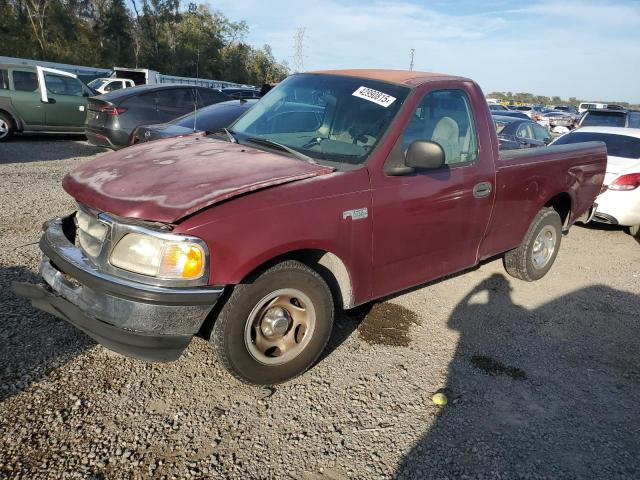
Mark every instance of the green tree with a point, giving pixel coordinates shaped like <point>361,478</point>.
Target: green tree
<point>114,28</point>
<point>156,34</point>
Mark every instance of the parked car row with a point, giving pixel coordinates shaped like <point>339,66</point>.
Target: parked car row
<point>112,117</point>
<point>619,129</point>
<point>36,99</point>
<point>619,200</point>
<point>208,119</point>
<point>561,118</point>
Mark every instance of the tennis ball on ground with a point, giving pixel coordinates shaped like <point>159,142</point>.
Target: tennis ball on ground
<point>439,399</point>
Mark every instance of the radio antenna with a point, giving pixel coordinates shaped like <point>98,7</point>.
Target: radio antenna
<point>195,93</point>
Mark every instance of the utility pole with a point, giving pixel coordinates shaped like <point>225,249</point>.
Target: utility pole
<point>413,51</point>
<point>298,50</point>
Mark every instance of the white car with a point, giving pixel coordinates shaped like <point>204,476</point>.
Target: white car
<point>105,85</point>
<point>619,201</point>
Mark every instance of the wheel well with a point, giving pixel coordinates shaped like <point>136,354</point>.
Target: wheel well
<point>13,119</point>
<point>330,267</point>
<point>561,203</point>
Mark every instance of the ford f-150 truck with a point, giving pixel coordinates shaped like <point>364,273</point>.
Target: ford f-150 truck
<point>337,188</point>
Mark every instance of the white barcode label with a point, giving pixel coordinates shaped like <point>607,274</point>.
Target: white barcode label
<point>374,96</point>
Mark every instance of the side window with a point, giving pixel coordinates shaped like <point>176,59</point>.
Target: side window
<point>25,81</point>
<point>175,98</point>
<point>144,100</point>
<point>4,80</point>
<point>209,97</point>
<point>111,86</point>
<point>540,133</point>
<point>633,119</point>
<point>61,85</point>
<point>524,131</point>
<point>445,117</point>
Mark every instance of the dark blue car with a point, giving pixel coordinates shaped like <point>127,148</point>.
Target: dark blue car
<point>208,119</point>
<point>514,133</point>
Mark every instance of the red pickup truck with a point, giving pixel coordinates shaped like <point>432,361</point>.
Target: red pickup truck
<point>337,188</point>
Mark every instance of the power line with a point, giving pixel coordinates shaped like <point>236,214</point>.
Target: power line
<point>413,51</point>
<point>298,49</point>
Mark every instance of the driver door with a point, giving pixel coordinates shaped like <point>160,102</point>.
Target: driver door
<point>429,223</point>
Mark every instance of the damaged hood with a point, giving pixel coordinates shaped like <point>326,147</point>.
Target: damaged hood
<point>167,180</point>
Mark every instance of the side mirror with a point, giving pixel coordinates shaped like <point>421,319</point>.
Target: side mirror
<point>424,155</point>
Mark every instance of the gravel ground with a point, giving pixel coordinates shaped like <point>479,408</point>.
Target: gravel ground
<point>543,378</point>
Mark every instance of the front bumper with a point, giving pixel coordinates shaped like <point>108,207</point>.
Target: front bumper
<point>149,322</point>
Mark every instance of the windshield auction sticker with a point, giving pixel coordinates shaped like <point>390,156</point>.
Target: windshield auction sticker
<point>374,96</point>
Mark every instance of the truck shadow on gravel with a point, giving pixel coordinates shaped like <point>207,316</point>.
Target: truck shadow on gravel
<point>552,392</point>
<point>32,343</point>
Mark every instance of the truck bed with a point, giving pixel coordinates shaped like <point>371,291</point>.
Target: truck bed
<point>527,178</point>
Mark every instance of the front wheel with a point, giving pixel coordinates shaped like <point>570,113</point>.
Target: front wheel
<point>634,231</point>
<point>275,327</point>
<point>6,127</point>
<point>534,257</point>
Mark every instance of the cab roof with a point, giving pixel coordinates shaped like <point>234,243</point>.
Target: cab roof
<point>409,78</point>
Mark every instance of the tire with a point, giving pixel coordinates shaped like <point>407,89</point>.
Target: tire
<point>6,127</point>
<point>634,231</point>
<point>238,336</point>
<point>525,264</point>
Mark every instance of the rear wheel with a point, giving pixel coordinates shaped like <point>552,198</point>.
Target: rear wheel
<point>534,257</point>
<point>275,327</point>
<point>6,127</point>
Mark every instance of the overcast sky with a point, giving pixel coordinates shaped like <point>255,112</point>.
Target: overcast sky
<point>585,49</point>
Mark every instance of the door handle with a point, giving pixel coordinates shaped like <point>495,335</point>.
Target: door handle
<point>482,189</point>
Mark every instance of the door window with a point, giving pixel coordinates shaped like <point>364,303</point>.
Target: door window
<point>181,98</point>
<point>209,97</point>
<point>445,117</point>
<point>117,85</point>
<point>25,81</point>
<point>4,80</point>
<point>525,131</point>
<point>144,100</point>
<point>540,133</point>
<point>62,85</point>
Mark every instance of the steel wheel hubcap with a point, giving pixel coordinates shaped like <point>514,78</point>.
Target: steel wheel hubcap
<point>543,247</point>
<point>4,128</point>
<point>280,326</point>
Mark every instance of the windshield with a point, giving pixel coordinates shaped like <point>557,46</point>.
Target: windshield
<point>604,119</point>
<point>97,83</point>
<point>211,118</point>
<point>329,118</point>
<point>617,145</point>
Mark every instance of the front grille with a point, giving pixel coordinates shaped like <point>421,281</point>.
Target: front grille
<point>91,233</point>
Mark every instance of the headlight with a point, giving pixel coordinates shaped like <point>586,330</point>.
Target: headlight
<point>157,257</point>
